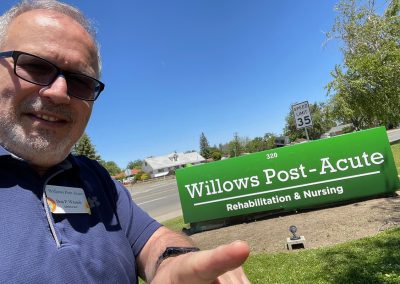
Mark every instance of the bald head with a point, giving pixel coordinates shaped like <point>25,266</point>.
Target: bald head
<point>51,5</point>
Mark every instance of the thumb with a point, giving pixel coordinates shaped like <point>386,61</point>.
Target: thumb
<point>206,266</point>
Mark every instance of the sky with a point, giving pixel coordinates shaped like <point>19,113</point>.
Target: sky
<point>176,68</point>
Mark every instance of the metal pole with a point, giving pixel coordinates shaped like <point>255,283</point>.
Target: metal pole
<point>308,138</point>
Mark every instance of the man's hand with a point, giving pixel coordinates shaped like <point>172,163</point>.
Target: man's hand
<point>219,265</point>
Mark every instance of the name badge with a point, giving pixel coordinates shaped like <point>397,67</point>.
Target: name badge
<point>66,200</point>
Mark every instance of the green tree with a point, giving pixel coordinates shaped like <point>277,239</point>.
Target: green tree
<point>321,118</point>
<point>145,176</point>
<point>136,164</point>
<point>111,167</point>
<point>261,143</point>
<point>85,147</point>
<point>139,175</point>
<point>365,88</point>
<point>256,145</point>
<point>236,146</point>
<point>223,148</point>
<point>215,153</point>
<point>269,140</point>
<point>204,146</point>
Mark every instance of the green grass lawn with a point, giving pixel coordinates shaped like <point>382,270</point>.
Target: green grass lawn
<point>175,224</point>
<point>368,260</point>
<point>396,155</point>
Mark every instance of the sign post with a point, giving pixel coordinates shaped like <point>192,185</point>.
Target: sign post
<point>302,116</point>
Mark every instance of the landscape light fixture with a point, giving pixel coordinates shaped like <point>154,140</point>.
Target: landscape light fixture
<point>295,242</point>
<point>293,230</point>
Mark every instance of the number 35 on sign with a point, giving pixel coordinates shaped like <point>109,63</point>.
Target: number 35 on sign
<point>302,115</point>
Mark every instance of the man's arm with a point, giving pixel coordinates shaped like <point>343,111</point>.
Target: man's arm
<point>222,263</point>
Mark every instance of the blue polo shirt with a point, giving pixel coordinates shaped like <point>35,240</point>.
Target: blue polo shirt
<point>40,247</point>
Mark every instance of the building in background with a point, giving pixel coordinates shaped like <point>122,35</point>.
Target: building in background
<point>164,165</point>
<point>337,130</point>
<point>281,141</point>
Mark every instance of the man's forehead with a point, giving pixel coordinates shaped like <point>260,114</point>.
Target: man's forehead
<point>45,18</point>
<point>45,33</point>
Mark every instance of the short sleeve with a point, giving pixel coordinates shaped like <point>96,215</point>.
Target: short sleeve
<point>136,223</point>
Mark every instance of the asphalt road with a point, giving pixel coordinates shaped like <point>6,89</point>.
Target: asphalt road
<point>161,198</point>
<point>394,135</point>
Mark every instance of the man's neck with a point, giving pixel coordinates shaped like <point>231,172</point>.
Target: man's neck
<point>39,169</point>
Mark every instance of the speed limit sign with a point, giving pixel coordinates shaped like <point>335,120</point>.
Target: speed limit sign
<point>302,115</point>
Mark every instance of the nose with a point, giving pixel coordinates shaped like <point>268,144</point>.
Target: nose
<point>56,91</point>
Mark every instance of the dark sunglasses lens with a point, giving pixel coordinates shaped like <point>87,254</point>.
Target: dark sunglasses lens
<point>38,71</point>
<point>34,69</point>
<point>83,87</point>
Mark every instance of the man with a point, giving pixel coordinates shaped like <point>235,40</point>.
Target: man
<point>62,218</point>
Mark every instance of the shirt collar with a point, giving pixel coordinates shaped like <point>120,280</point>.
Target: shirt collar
<point>4,152</point>
<point>68,163</point>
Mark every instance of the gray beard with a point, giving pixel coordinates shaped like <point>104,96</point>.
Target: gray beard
<point>39,149</point>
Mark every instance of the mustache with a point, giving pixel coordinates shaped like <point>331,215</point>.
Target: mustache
<point>38,105</point>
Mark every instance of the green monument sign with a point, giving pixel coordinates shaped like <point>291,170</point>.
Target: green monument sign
<point>342,168</point>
